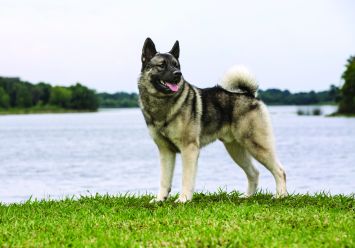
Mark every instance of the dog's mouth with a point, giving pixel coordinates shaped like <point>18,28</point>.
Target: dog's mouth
<point>174,87</point>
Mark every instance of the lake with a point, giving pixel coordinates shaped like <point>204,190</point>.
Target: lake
<point>58,155</point>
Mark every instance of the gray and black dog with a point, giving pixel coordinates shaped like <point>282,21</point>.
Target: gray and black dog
<point>183,118</point>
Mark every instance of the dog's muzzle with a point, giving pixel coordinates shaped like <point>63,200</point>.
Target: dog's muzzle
<point>174,87</point>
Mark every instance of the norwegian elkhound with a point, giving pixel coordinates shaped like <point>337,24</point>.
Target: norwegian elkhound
<point>183,118</point>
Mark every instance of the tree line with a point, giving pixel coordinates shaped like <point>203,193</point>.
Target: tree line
<point>15,93</point>
<point>118,100</point>
<point>269,96</point>
<point>285,97</point>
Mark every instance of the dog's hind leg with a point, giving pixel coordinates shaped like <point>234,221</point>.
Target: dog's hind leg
<point>261,147</point>
<point>268,159</point>
<point>255,134</point>
<point>240,155</point>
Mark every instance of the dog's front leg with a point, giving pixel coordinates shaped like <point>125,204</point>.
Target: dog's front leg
<point>189,155</point>
<point>167,164</point>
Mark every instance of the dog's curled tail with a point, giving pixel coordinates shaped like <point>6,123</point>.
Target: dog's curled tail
<point>239,79</point>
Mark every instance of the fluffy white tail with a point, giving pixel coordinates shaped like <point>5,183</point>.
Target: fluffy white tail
<point>239,79</point>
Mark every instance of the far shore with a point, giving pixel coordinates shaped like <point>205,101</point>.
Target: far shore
<point>36,110</point>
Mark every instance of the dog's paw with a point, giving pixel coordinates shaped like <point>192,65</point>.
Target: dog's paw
<point>158,199</point>
<point>245,196</point>
<point>183,199</point>
<point>281,195</point>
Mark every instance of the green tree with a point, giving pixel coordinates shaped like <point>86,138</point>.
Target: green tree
<point>41,93</point>
<point>347,91</point>
<point>4,99</point>
<point>118,100</point>
<point>83,98</point>
<point>333,93</point>
<point>60,96</point>
<point>23,97</point>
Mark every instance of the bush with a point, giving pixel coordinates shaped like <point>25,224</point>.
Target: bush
<point>317,111</point>
<point>314,111</point>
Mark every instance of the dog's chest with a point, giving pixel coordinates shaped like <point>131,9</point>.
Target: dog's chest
<point>172,130</point>
<point>164,120</point>
<point>170,134</point>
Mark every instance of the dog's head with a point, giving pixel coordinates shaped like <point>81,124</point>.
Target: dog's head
<point>161,71</point>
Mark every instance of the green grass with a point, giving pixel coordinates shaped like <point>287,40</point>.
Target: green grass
<point>210,220</point>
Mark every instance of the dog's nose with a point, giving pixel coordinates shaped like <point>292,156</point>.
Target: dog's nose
<point>177,74</point>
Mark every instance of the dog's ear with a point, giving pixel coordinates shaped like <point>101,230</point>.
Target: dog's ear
<point>175,51</point>
<point>148,51</point>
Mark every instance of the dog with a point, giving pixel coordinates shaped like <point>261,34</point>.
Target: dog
<point>182,118</point>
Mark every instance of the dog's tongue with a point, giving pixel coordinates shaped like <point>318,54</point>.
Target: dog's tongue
<point>173,87</point>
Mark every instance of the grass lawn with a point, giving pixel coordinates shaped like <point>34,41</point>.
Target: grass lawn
<point>210,220</point>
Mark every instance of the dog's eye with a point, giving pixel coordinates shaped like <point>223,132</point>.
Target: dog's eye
<point>161,66</point>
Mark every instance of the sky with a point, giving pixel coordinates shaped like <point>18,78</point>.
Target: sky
<point>299,45</point>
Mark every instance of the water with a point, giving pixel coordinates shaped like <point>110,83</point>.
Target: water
<point>59,155</point>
